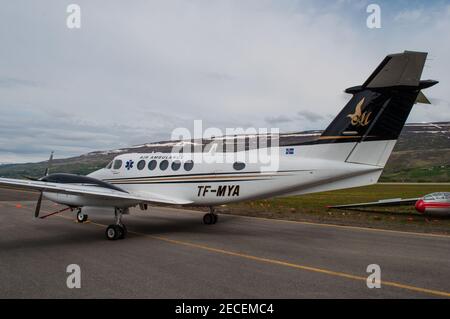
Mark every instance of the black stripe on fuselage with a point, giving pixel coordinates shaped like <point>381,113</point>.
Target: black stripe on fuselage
<point>196,174</point>
<point>189,182</point>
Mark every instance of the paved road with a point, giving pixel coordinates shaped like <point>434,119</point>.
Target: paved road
<point>169,253</point>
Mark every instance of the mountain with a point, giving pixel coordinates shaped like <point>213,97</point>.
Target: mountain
<point>422,154</point>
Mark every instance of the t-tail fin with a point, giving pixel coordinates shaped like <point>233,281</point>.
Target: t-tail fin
<point>379,108</point>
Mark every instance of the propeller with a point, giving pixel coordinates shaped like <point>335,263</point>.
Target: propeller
<point>46,172</point>
<point>38,206</point>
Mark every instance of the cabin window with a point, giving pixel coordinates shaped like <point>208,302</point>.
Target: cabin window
<point>176,165</point>
<point>109,165</point>
<point>239,166</point>
<point>188,165</point>
<point>152,165</point>
<point>163,165</point>
<point>117,164</point>
<point>141,165</point>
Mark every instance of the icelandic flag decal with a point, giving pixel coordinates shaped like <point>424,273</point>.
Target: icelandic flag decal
<point>289,151</point>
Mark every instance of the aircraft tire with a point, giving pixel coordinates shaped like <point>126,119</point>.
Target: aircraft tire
<point>208,219</point>
<point>81,218</point>
<point>113,232</point>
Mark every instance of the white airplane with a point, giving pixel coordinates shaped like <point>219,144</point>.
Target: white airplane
<point>351,152</point>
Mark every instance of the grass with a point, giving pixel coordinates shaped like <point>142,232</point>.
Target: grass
<point>313,208</point>
<point>419,174</point>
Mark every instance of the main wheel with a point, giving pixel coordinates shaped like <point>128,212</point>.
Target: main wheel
<point>209,219</point>
<point>113,232</point>
<point>215,218</point>
<point>81,217</point>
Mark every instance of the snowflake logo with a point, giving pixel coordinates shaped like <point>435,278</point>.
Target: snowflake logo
<point>129,164</point>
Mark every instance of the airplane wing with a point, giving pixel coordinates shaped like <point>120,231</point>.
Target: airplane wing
<point>381,202</point>
<point>86,190</point>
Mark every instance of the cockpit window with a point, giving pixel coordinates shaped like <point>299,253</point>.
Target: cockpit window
<point>109,165</point>
<point>437,195</point>
<point>117,164</point>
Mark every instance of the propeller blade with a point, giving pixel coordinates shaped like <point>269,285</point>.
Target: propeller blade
<point>38,206</point>
<point>49,164</point>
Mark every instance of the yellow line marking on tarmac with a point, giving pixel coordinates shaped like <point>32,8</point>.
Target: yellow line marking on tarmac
<point>282,263</point>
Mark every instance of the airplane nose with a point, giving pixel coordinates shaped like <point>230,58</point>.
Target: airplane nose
<point>420,206</point>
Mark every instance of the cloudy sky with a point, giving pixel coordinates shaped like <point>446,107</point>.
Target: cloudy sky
<point>136,70</point>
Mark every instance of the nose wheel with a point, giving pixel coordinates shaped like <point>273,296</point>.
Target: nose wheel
<point>210,218</point>
<point>117,230</point>
<point>81,217</point>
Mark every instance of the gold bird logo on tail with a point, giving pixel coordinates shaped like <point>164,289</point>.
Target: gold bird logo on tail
<point>358,118</point>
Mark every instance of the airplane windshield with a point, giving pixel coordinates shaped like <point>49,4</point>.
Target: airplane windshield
<point>109,165</point>
<point>438,195</point>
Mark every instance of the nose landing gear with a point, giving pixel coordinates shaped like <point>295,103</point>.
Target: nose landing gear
<point>211,217</point>
<point>81,217</point>
<point>117,230</point>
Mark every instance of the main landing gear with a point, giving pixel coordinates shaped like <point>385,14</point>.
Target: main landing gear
<point>211,217</point>
<point>81,217</point>
<point>117,230</point>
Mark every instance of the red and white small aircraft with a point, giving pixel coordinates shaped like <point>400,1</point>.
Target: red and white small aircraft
<point>432,204</point>
<point>351,152</point>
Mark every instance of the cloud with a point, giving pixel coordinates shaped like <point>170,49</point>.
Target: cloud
<point>7,82</point>
<point>278,119</point>
<point>409,15</point>
<point>35,134</point>
<point>310,116</point>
